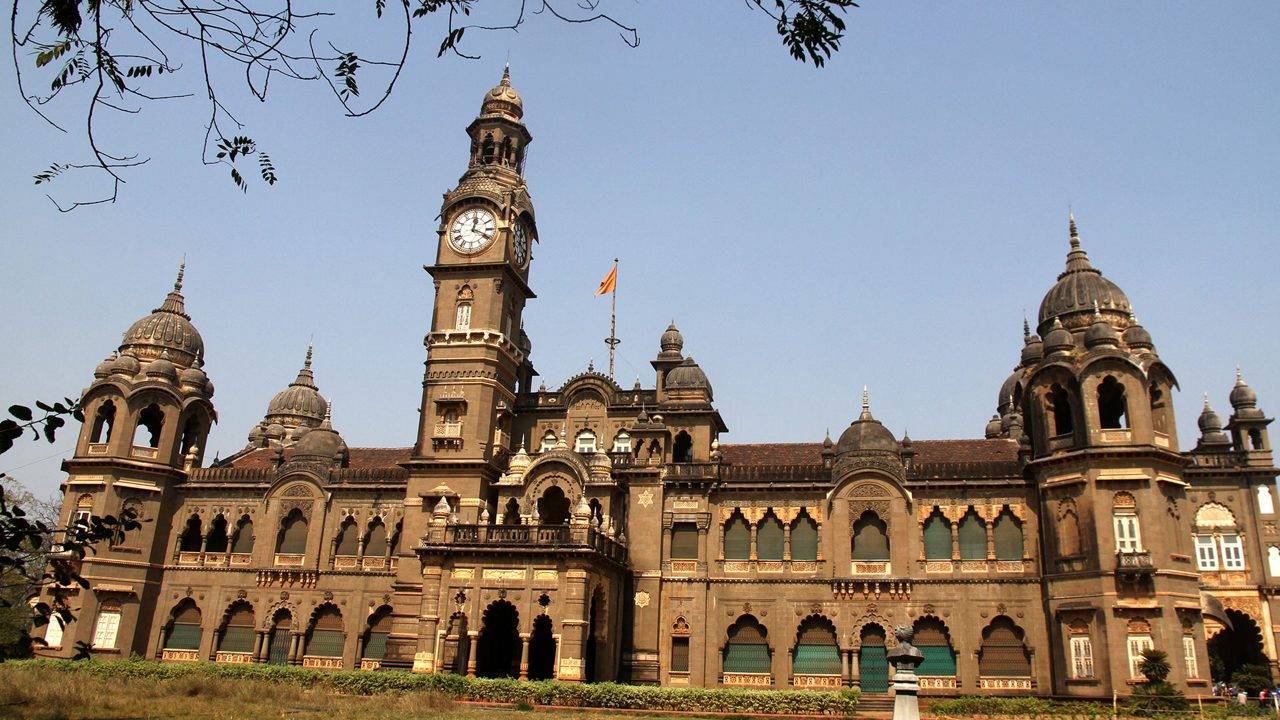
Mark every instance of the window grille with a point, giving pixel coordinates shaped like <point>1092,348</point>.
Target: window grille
<point>937,538</point>
<point>770,539</point>
<point>684,541</point>
<point>804,538</point>
<point>680,654</point>
<point>746,651</point>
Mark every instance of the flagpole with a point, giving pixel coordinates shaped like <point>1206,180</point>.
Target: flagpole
<point>612,341</point>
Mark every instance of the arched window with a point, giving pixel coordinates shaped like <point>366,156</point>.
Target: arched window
<point>548,441</point>
<point>293,534</point>
<point>462,316</point>
<point>553,507</point>
<point>242,542</point>
<point>585,442</point>
<point>682,452</point>
<point>684,541</point>
<point>511,515</point>
<point>1160,415</point>
<point>1112,408</point>
<point>216,542</point>
<point>487,149</point>
<point>1003,653</point>
<point>393,545</point>
<point>53,631</point>
<point>873,662</point>
<point>973,537</point>
<point>326,637</point>
<point>192,536</point>
<point>935,644</point>
<point>804,537</point>
<point>278,640</point>
<point>103,421</point>
<point>84,509</point>
<point>1058,403</point>
<point>1266,502</point>
<point>347,542</point>
<point>1255,439</point>
<point>238,636</point>
<point>191,432</point>
<point>770,538</point>
<point>870,538</point>
<point>1008,536</point>
<point>816,651</point>
<point>747,651</point>
<point>622,442</point>
<point>737,538</point>
<point>184,633</point>
<point>1068,530</point>
<point>375,642</point>
<point>1273,560</point>
<point>106,629</point>
<point>1139,641</point>
<point>376,543</point>
<point>937,537</point>
<point>150,423</point>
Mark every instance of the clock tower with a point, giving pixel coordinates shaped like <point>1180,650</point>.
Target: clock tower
<point>477,354</point>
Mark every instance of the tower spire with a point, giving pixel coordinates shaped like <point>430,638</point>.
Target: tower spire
<point>182,269</point>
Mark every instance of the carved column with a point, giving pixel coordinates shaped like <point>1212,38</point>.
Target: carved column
<point>295,649</point>
<point>473,637</point>
<point>844,668</point>
<point>259,646</point>
<point>754,528</point>
<point>991,542</point>
<point>855,678</point>
<point>524,656</point>
<point>955,541</point>
<point>786,542</point>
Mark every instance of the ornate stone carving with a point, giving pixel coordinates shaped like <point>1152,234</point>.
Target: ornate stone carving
<point>297,490</point>
<point>644,498</point>
<point>868,489</point>
<point>642,599</point>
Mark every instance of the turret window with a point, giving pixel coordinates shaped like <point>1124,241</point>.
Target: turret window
<point>150,423</point>
<point>84,510</point>
<point>622,442</point>
<point>870,538</point>
<point>1266,502</point>
<point>548,441</point>
<point>683,449</point>
<point>103,421</point>
<point>1059,410</point>
<point>1112,408</point>
<point>585,442</point>
<point>462,319</point>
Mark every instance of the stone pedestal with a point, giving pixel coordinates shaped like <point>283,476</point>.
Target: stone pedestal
<point>906,686</point>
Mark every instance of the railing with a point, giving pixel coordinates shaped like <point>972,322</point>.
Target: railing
<point>168,655</point>
<point>937,682</point>
<point>366,664</point>
<point>748,680</point>
<point>289,560</point>
<point>213,559</point>
<point>321,663</point>
<point>817,682</point>
<point>691,471</point>
<point>147,453</point>
<point>234,658</point>
<point>874,567</point>
<point>529,536</point>
<point>1004,683</point>
<point>448,430</point>
<point>620,459</point>
<point>1134,560</point>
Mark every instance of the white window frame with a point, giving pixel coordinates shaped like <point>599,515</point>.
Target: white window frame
<point>1190,661</point>
<point>106,630</point>
<point>1206,552</point>
<point>1128,532</point>
<point>1266,501</point>
<point>54,631</point>
<point>548,442</point>
<point>1081,656</point>
<point>1232,552</point>
<point>622,443</point>
<point>581,446</point>
<point>462,317</point>
<point>1137,644</point>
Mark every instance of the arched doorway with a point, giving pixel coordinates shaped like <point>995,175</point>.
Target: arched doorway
<point>873,661</point>
<point>1232,648</point>
<point>498,649</point>
<point>457,645</point>
<point>553,507</point>
<point>590,652</point>
<point>278,640</point>
<point>542,650</point>
<point>816,652</point>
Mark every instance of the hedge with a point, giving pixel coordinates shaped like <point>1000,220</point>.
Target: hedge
<point>1016,706</point>
<point>505,690</point>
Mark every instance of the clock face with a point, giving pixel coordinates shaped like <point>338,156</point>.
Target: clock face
<point>472,231</point>
<point>520,245</point>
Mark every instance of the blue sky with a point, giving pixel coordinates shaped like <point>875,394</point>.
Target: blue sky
<point>885,220</point>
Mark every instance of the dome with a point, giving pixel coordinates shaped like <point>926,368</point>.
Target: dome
<point>1136,336</point>
<point>167,328</point>
<point>866,434</point>
<point>323,442</point>
<point>1100,332</point>
<point>162,368</point>
<point>688,376</point>
<point>301,402</point>
<point>104,367</point>
<point>519,461</point>
<point>1007,389</point>
<point>994,427</point>
<point>1211,426</point>
<point>126,364</point>
<point>1079,288</point>
<point>194,377</point>
<point>1058,338</point>
<point>600,460</point>
<point>503,99</point>
<point>1032,350</point>
<point>672,343</point>
<point>1243,399</point>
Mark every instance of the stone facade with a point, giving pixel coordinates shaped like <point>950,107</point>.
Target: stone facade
<point>595,532</point>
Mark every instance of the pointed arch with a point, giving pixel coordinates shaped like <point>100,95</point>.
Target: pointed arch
<point>375,544</point>
<point>737,537</point>
<point>1003,652</point>
<point>1007,533</point>
<point>873,660</point>
<point>346,544</point>
<point>1113,408</point>
<point>934,640</point>
<point>278,637</point>
<point>104,421</point>
<point>770,538</point>
<point>326,635</point>
<point>149,426</point>
<point>216,540</point>
<point>237,632</point>
<point>374,646</point>
<point>292,539</point>
<point>816,651</point>
<point>937,536</point>
<point>498,646</point>
<point>746,648</point>
<point>804,537</point>
<point>972,536</point>
<point>242,541</point>
<point>183,631</point>
<point>870,538</point>
<point>193,536</point>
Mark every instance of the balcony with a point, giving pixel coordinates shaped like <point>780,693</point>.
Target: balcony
<point>1134,562</point>
<point>509,538</point>
<point>448,430</point>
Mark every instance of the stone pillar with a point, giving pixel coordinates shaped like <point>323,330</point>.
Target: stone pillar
<point>259,646</point>
<point>844,667</point>
<point>429,610</point>
<point>754,528</point>
<point>786,542</point>
<point>955,542</point>
<point>855,676</point>
<point>473,638</point>
<point>991,541</point>
<point>295,649</point>
<point>524,656</point>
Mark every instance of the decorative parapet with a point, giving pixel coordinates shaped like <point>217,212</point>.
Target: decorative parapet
<point>817,682</point>
<point>168,655</point>
<point>233,658</point>
<point>321,663</point>
<point>938,682</point>
<point>753,680</point>
<point>1004,683</point>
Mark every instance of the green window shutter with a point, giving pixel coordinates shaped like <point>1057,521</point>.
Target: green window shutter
<point>376,545</point>
<point>375,648</point>
<point>237,639</point>
<point>278,646</point>
<point>870,539</point>
<point>346,540</point>
<point>804,539</point>
<point>680,654</point>
<point>183,637</point>
<point>684,541</point>
<point>293,538</point>
<point>1008,535</point>
<point>243,541</point>
<point>737,540</point>
<point>325,643</point>
<point>973,538</point>
<point>821,659</point>
<point>937,538</point>
<point>938,660</point>
<point>770,539</point>
<point>873,669</point>
<point>742,657</point>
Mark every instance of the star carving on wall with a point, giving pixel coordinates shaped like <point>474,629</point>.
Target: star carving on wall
<point>645,498</point>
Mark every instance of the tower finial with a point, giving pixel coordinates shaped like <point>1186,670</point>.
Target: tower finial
<point>866,402</point>
<point>1071,228</point>
<point>506,75</point>
<point>307,363</point>
<point>1239,375</point>
<point>1206,401</point>
<point>1026,326</point>
<point>182,269</point>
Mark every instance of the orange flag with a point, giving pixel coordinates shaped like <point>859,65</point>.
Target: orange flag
<point>609,283</point>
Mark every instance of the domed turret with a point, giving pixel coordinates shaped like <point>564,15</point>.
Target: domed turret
<point>126,365</point>
<point>866,434</point>
<point>1243,399</point>
<point>994,427</point>
<point>1058,339</point>
<point>167,329</point>
<point>688,376</point>
<point>503,99</point>
<point>1136,336</point>
<point>104,367</point>
<point>672,343</point>
<point>300,403</point>
<point>1079,288</point>
<point>161,369</point>
<point>323,443</point>
<point>1032,347</point>
<point>1211,427</point>
<point>1100,332</point>
<point>193,378</point>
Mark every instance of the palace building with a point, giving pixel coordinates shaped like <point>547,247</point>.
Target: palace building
<point>597,532</point>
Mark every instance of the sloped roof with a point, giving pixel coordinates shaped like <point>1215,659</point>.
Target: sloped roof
<point>360,458</point>
<point>928,452</point>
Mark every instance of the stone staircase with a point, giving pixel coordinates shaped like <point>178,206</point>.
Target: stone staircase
<point>875,704</point>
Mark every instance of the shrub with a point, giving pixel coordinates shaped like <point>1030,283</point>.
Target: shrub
<point>1252,679</point>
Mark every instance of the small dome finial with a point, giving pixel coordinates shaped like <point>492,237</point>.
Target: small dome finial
<point>307,363</point>
<point>1071,228</point>
<point>1239,375</point>
<point>1026,326</point>
<point>506,75</point>
<point>182,269</point>
<point>1206,401</point>
<point>866,399</point>
<point>328,411</point>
